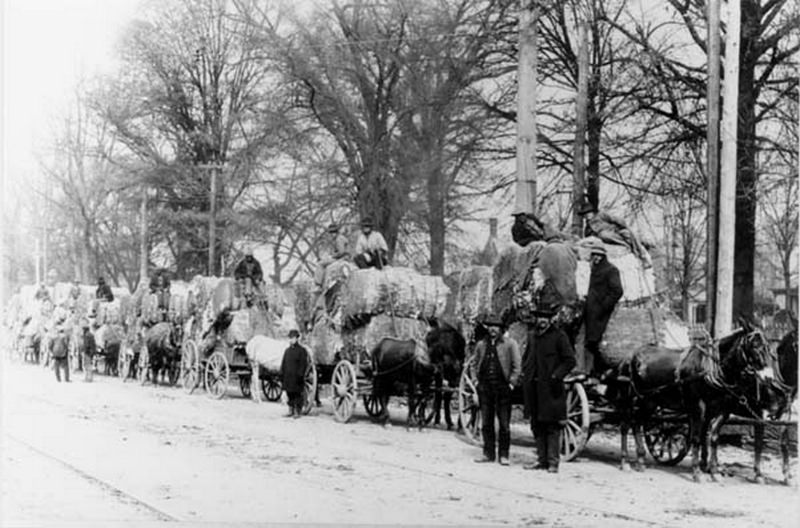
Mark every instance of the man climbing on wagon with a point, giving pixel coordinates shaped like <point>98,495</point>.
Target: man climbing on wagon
<point>371,248</point>
<point>293,373</point>
<point>103,291</point>
<point>499,365</point>
<point>548,358</point>
<point>249,277</point>
<point>605,290</point>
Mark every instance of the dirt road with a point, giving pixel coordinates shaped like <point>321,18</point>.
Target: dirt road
<point>110,453</point>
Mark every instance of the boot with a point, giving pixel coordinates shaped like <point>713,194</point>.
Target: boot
<point>541,453</point>
<point>553,449</point>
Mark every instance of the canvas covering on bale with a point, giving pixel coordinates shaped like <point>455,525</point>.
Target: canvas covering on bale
<point>246,323</point>
<point>399,291</point>
<point>326,341</point>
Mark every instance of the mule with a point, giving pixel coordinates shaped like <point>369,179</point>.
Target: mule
<point>447,349</point>
<point>707,382</point>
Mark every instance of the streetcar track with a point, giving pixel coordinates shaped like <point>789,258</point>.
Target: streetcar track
<point>105,486</point>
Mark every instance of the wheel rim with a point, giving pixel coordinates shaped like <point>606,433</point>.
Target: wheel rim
<point>217,376</point>
<point>374,405</point>
<point>344,391</point>
<point>244,386</point>
<point>190,367</point>
<point>272,388</point>
<point>469,409</point>
<point>668,443</point>
<point>310,388</point>
<point>575,431</point>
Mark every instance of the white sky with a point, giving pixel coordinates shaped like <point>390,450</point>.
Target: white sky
<point>48,45</point>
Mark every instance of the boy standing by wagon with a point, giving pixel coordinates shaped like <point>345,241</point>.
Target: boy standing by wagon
<point>293,373</point>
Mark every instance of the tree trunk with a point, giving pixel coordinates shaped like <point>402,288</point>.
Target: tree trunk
<point>436,220</point>
<point>594,129</point>
<point>745,239</point>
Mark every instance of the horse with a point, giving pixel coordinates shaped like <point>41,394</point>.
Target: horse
<point>163,342</point>
<point>708,382</point>
<point>447,348</point>
<point>399,362</point>
<point>787,370</point>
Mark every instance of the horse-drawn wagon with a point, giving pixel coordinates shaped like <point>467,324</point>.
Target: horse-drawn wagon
<point>367,333</point>
<point>511,289</point>
<point>224,322</point>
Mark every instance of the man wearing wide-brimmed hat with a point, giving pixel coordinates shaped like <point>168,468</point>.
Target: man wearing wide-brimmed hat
<point>334,247</point>
<point>548,358</point>
<point>371,248</point>
<point>498,364</point>
<point>605,289</point>
<point>293,373</point>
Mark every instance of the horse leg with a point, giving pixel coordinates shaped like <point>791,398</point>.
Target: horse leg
<point>638,435</point>
<point>623,430</point>
<point>437,405</point>
<point>787,468</point>
<point>696,438</point>
<point>447,399</point>
<point>758,448</point>
<point>713,444</point>
<point>255,390</point>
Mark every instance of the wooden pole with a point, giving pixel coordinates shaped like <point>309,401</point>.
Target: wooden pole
<point>526,110</point>
<point>212,223</point>
<point>723,317</point>
<point>143,245</point>
<point>578,162</point>
<point>712,161</point>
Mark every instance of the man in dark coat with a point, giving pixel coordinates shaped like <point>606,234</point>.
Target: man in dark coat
<point>549,357</point>
<point>605,289</point>
<point>59,352</point>
<point>498,364</point>
<point>293,373</point>
<point>103,291</point>
<point>249,276</point>
<point>88,348</point>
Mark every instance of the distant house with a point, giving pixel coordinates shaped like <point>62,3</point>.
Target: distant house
<point>781,295</point>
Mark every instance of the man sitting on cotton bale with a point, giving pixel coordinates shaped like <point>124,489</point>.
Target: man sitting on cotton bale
<point>334,247</point>
<point>371,248</point>
<point>249,276</point>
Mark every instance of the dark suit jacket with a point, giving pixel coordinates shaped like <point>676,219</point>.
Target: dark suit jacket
<point>605,289</point>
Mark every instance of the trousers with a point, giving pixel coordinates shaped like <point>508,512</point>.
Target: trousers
<point>61,364</point>
<point>548,437</point>
<point>495,403</point>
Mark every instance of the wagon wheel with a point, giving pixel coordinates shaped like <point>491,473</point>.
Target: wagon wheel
<point>271,387</point>
<point>190,366</point>
<point>244,385</point>
<point>667,442</point>
<point>217,375</point>
<point>344,390</point>
<point>423,407</point>
<point>575,432</point>
<point>374,405</point>
<point>469,409</point>
<point>144,365</point>
<point>310,387</point>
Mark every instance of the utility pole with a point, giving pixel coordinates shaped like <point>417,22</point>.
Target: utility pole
<point>712,161</point>
<point>723,316</point>
<point>212,222</point>
<point>143,245</point>
<point>36,260</point>
<point>578,162</point>
<point>526,109</point>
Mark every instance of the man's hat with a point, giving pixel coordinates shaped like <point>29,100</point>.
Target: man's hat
<point>367,222</point>
<point>595,246</point>
<point>586,208</point>
<point>101,280</point>
<point>294,333</point>
<point>490,320</point>
<point>333,228</point>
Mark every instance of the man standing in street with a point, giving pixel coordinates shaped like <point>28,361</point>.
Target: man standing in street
<point>371,248</point>
<point>60,352</point>
<point>293,373</point>
<point>498,364</point>
<point>549,357</point>
<point>88,348</point>
<point>605,289</point>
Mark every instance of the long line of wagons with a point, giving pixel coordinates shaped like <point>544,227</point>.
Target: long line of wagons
<point>205,337</point>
